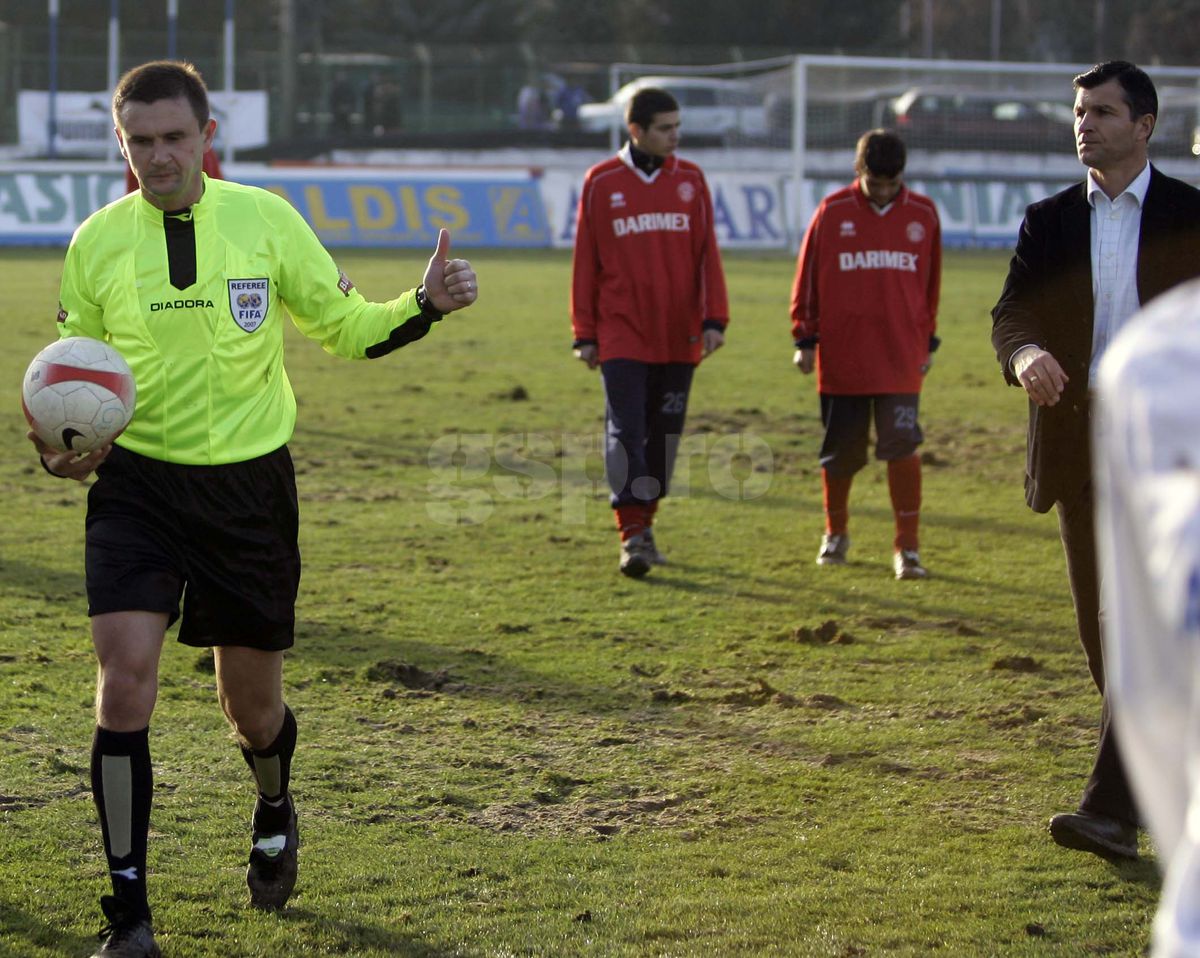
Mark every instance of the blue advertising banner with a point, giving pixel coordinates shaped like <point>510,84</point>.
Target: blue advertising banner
<point>42,203</point>
<point>378,208</point>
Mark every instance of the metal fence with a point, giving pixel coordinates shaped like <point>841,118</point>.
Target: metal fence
<point>357,93</point>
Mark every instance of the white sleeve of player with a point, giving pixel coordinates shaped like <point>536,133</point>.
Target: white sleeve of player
<point>1147,470</point>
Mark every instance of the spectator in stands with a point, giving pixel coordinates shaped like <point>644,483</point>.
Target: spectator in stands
<point>384,109</point>
<point>569,98</point>
<point>531,107</point>
<point>343,104</point>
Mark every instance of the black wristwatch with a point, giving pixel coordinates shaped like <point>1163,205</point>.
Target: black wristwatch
<point>428,310</point>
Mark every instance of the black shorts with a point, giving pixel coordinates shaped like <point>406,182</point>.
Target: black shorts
<point>224,538</point>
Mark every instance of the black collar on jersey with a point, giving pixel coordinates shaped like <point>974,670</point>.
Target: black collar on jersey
<point>180,229</point>
<point>643,160</point>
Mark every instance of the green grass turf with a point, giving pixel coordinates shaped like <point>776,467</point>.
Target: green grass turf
<point>506,748</point>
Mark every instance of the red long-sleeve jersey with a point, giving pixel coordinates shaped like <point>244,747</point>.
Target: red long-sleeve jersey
<point>647,271</point>
<point>867,286</point>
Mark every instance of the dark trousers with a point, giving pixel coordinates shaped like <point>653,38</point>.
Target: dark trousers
<point>1107,791</point>
<point>645,408</point>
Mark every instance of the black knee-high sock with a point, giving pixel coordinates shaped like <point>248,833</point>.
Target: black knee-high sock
<point>272,768</point>
<point>123,787</point>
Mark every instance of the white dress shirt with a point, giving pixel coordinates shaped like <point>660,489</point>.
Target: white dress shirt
<point>1115,227</point>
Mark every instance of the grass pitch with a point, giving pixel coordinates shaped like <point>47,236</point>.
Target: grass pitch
<point>507,748</point>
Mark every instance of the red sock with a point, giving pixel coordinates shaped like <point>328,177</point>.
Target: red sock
<point>648,512</point>
<point>630,520</point>
<point>904,483</point>
<point>836,491</point>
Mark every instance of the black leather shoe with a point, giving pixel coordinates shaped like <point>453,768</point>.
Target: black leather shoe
<point>1088,832</point>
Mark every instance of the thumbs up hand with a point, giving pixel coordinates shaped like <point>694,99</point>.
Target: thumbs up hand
<point>450,284</point>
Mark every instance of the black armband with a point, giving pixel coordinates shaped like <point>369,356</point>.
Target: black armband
<point>717,324</point>
<point>809,342</point>
<point>934,343</point>
<point>412,329</point>
<point>583,342</point>
<point>407,332</point>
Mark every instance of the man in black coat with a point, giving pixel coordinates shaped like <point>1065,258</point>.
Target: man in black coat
<point>1086,260</point>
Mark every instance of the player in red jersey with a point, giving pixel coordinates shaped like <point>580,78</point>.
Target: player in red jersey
<point>864,313</point>
<point>648,302</point>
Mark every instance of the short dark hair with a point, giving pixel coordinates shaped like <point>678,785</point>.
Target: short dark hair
<point>880,153</point>
<point>1137,89</point>
<point>646,103</point>
<point>163,80</point>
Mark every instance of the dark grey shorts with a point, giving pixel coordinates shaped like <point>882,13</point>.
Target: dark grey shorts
<point>847,421</point>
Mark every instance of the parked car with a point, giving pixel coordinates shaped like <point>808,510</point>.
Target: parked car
<point>1175,131</point>
<point>955,119</point>
<point>729,109</point>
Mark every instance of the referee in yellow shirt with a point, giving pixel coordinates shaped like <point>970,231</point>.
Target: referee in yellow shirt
<point>192,279</point>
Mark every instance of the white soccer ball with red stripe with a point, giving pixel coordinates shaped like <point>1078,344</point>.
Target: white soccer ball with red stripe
<point>78,394</point>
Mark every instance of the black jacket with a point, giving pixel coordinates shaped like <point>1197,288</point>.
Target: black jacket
<point>1047,301</point>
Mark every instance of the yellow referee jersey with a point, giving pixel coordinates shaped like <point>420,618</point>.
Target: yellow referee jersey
<point>197,305</point>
